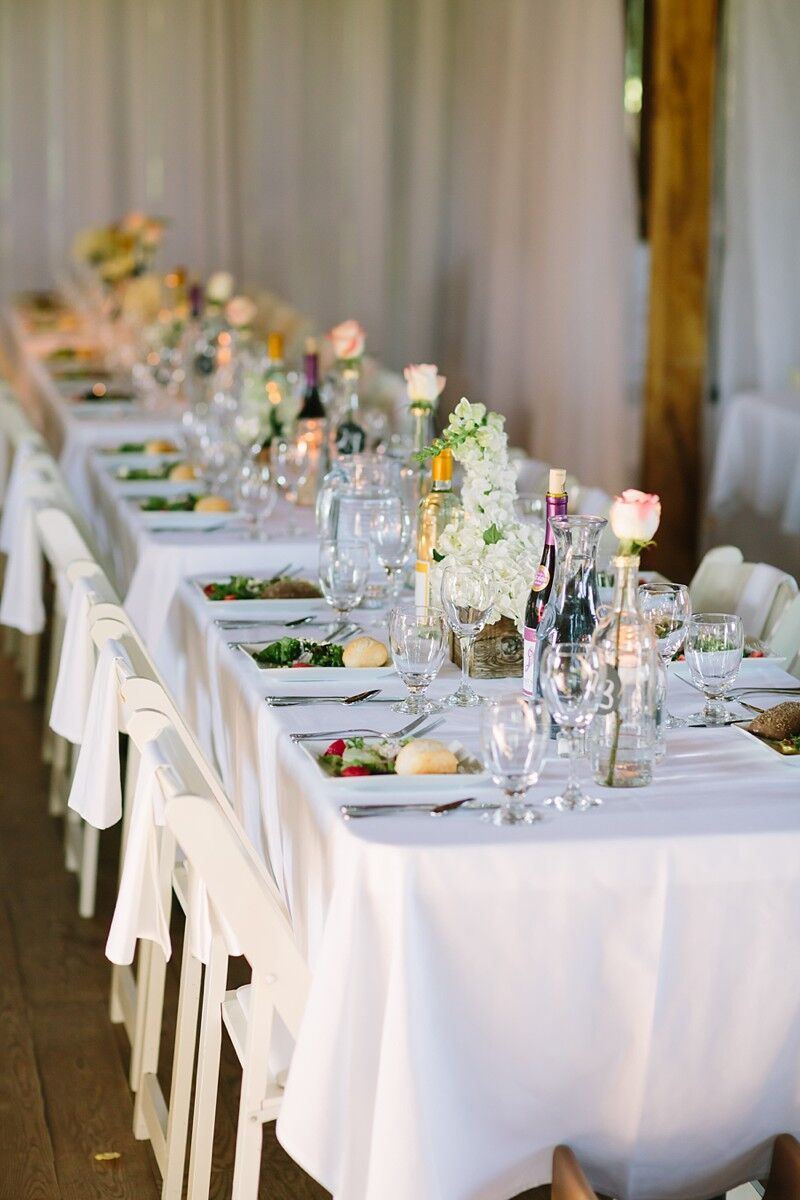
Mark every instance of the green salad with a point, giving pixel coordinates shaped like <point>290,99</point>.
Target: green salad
<point>297,652</point>
<point>353,757</point>
<point>277,587</point>
<point>153,474</point>
<point>163,504</point>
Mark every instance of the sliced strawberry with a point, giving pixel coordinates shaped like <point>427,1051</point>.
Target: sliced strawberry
<point>299,664</point>
<point>208,589</point>
<point>230,596</point>
<point>349,772</point>
<point>756,654</point>
<point>337,747</point>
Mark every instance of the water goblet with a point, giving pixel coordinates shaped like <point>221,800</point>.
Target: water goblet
<point>572,676</point>
<point>668,608</point>
<point>714,648</point>
<point>391,537</point>
<point>343,570</point>
<point>418,643</point>
<point>255,494</point>
<point>467,597</point>
<point>290,463</point>
<point>514,737</point>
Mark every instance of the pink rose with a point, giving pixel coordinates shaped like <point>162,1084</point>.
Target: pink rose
<point>240,311</point>
<point>348,340</point>
<point>424,383</point>
<point>635,516</point>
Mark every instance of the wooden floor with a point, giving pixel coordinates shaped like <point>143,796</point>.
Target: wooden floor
<point>64,1096</point>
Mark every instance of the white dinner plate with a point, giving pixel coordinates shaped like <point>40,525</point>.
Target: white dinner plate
<point>471,774</point>
<point>351,679</point>
<point>101,409</point>
<point>155,487</point>
<point>197,521</point>
<point>747,664</point>
<point>111,460</point>
<point>791,759</point>
<point>267,610</point>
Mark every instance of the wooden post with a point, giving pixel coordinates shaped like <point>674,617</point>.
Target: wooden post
<point>678,219</point>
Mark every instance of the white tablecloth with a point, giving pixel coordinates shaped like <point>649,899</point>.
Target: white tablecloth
<point>625,980</point>
<point>757,460</point>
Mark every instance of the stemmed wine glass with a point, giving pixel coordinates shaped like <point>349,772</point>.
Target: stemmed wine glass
<point>668,608</point>
<point>514,737</point>
<point>343,570</point>
<point>255,494</point>
<point>467,596</point>
<point>714,648</point>
<point>391,536</point>
<point>572,675</point>
<point>418,642</point>
<point>291,466</point>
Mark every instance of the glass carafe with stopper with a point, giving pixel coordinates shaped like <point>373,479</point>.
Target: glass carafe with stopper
<point>571,612</point>
<point>622,737</point>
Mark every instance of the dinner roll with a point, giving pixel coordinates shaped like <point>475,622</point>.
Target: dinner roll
<point>182,472</point>
<point>365,652</point>
<point>426,756</point>
<point>159,446</point>
<point>212,504</point>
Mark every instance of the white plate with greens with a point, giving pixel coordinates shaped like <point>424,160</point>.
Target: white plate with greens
<point>216,590</point>
<point>380,752</point>
<point>300,659</point>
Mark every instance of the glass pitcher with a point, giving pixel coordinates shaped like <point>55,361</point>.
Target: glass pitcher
<point>571,613</point>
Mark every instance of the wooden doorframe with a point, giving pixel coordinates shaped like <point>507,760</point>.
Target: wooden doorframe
<point>681,88</point>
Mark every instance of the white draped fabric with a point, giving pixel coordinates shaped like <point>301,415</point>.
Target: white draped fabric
<point>760,310</point>
<point>453,172</point>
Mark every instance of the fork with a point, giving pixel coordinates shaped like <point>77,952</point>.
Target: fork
<point>418,726</point>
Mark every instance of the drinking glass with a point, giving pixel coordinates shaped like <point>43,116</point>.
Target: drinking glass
<point>668,608</point>
<point>343,570</point>
<point>290,464</point>
<point>467,596</point>
<point>391,536</point>
<point>418,642</point>
<point>529,508</point>
<point>514,737</point>
<point>255,494</point>
<point>572,676</point>
<point>714,648</point>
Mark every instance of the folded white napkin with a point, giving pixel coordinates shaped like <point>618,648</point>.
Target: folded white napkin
<point>15,492</point>
<point>22,606</point>
<point>139,911</point>
<point>96,792</point>
<point>76,668</point>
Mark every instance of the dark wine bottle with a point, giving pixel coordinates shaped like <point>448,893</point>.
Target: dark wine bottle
<point>556,505</point>
<point>312,404</point>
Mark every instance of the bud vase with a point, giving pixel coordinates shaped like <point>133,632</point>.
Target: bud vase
<point>623,734</point>
<point>422,416</point>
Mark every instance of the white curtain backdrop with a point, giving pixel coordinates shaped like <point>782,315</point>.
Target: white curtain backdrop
<point>760,301</point>
<point>452,172</point>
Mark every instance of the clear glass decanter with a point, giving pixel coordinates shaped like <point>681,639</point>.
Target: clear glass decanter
<point>622,736</point>
<point>571,612</point>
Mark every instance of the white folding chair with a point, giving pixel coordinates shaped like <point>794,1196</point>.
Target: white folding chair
<point>784,639</point>
<point>242,900</point>
<point>757,592</point>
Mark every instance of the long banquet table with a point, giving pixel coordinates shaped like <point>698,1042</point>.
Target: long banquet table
<point>625,979</point>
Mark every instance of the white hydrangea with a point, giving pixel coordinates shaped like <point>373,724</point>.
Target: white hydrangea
<point>489,534</point>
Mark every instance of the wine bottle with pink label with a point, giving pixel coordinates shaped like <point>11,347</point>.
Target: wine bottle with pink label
<point>556,505</point>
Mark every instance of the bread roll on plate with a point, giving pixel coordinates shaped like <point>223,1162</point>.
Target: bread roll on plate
<point>159,446</point>
<point>212,504</point>
<point>182,472</point>
<point>365,652</point>
<point>426,756</point>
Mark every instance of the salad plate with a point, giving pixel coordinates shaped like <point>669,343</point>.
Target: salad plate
<point>787,751</point>
<point>302,660</point>
<point>178,518</point>
<point>160,488</point>
<point>231,597</point>
<point>377,755</point>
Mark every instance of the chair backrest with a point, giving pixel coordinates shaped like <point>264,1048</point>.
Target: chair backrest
<point>784,638</point>
<point>784,1171</point>
<point>757,592</point>
<point>60,540</point>
<point>241,897</point>
<point>569,1181</point>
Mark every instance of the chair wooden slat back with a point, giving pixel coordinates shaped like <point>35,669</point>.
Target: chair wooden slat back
<point>228,867</point>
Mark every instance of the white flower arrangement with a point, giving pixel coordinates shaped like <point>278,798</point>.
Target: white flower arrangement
<point>489,534</point>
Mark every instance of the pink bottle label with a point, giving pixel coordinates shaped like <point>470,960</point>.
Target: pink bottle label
<point>540,580</point>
